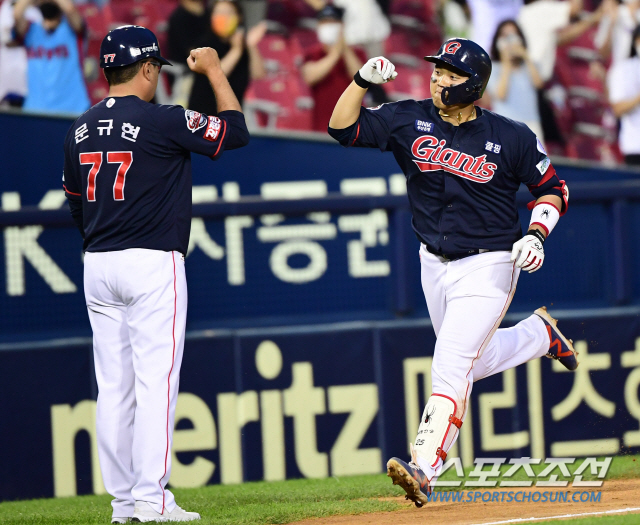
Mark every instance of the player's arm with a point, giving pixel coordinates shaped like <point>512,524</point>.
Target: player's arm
<point>72,188</point>
<point>205,60</point>
<point>552,200</point>
<point>73,15</point>
<point>350,123</point>
<point>21,22</point>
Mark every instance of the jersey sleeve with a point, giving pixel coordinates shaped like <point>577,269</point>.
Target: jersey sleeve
<point>199,133</point>
<point>533,167</point>
<point>71,182</point>
<point>371,130</point>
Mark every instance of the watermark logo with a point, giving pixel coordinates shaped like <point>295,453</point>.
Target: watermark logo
<point>557,472</point>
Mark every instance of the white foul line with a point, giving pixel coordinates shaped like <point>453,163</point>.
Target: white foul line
<point>522,520</point>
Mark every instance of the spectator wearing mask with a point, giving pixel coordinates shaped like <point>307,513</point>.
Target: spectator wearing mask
<point>615,32</point>
<point>515,79</point>
<point>54,65</point>
<point>13,57</point>
<point>329,67</point>
<point>624,95</point>
<point>240,58</point>
<point>365,22</point>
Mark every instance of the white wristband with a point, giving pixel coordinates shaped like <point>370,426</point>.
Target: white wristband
<point>546,215</point>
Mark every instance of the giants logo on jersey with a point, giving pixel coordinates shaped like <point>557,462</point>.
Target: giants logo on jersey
<point>434,157</point>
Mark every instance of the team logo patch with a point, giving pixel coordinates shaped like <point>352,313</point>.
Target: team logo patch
<point>195,120</point>
<point>213,129</point>
<point>423,126</point>
<point>434,156</point>
<point>452,47</point>
<point>543,165</point>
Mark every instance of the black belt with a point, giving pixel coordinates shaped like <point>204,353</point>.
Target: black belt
<point>454,256</point>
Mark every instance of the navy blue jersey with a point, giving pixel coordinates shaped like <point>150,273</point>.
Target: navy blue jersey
<point>128,163</point>
<point>461,180</point>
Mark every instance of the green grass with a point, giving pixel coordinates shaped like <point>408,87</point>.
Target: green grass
<point>249,503</point>
<point>274,502</point>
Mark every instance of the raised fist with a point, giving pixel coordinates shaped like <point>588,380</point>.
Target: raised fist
<point>378,70</point>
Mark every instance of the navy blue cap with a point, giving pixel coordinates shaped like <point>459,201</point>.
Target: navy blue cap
<point>127,45</point>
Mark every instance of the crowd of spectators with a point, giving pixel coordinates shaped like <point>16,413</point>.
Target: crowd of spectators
<point>569,69</point>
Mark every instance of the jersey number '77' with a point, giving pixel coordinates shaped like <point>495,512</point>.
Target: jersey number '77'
<point>94,158</point>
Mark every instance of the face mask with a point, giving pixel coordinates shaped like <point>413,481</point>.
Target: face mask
<point>224,25</point>
<point>328,34</point>
<point>50,10</point>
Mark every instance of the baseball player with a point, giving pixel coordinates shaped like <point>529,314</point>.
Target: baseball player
<point>463,166</point>
<point>127,176</point>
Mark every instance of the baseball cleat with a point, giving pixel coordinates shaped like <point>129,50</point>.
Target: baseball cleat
<point>560,348</point>
<point>411,478</point>
<point>119,520</point>
<point>144,513</point>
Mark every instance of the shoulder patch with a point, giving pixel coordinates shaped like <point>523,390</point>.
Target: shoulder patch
<point>543,165</point>
<point>195,120</point>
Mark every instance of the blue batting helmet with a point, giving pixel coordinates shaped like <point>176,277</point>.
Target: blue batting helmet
<point>126,45</point>
<point>465,58</point>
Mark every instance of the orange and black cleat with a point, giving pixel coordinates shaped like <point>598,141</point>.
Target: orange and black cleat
<point>560,348</point>
<point>411,478</point>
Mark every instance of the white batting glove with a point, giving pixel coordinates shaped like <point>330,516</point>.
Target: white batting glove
<point>528,253</point>
<point>378,70</point>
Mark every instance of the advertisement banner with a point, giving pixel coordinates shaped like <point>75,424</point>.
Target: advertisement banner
<point>329,400</point>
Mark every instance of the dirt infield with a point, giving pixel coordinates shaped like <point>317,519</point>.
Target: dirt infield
<point>618,494</point>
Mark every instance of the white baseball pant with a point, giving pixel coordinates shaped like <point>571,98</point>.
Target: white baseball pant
<point>137,303</point>
<point>467,299</point>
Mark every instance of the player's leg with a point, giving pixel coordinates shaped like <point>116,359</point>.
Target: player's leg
<point>433,271</point>
<point>478,291</point>
<point>157,308</point>
<point>115,377</point>
<point>531,338</point>
<point>510,347</point>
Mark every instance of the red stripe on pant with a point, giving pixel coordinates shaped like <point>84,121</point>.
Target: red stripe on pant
<point>173,356</point>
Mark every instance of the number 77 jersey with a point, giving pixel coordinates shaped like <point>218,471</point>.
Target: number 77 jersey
<point>128,163</point>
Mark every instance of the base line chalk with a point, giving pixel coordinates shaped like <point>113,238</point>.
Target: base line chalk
<point>522,520</point>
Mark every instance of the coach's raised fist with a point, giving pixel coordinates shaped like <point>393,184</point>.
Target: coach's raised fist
<point>203,60</point>
<point>378,70</point>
